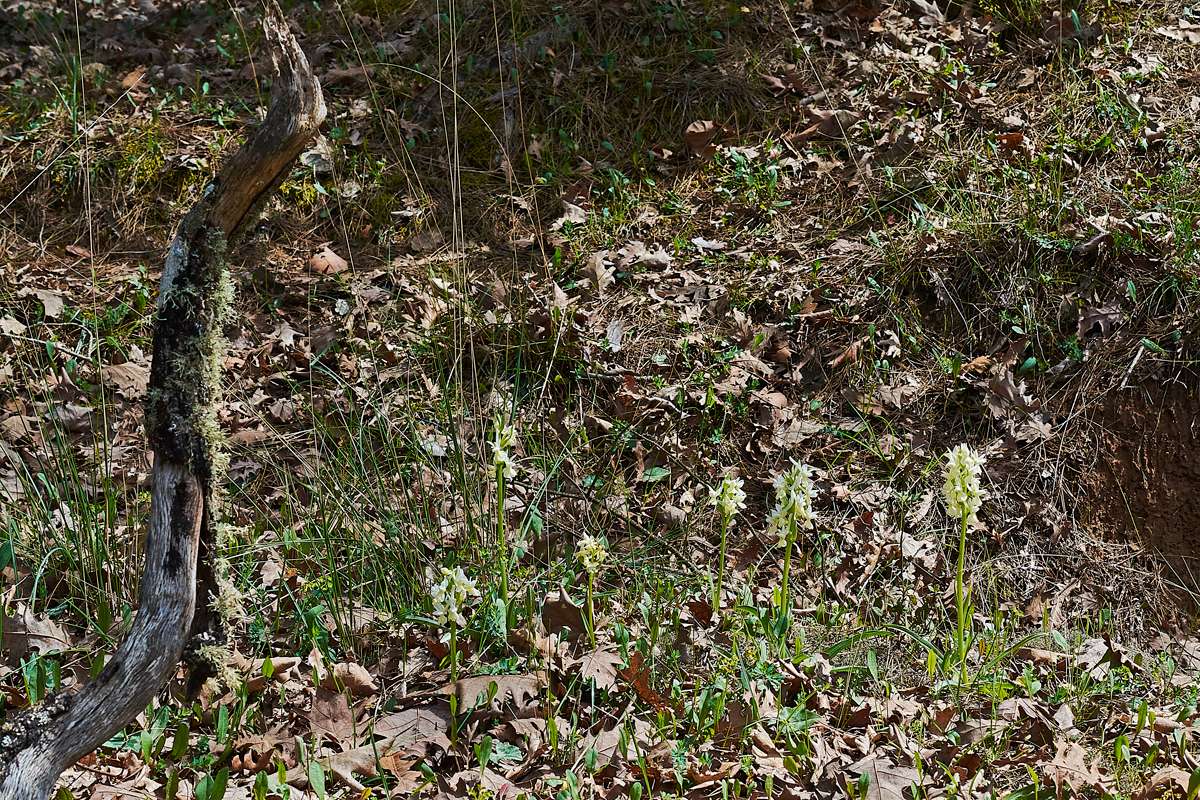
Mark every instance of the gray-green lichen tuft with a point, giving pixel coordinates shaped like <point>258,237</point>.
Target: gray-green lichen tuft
<point>185,377</point>
<point>228,601</point>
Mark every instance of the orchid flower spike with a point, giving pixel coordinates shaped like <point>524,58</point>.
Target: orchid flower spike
<point>502,444</point>
<point>591,553</point>
<point>962,492</point>
<point>794,492</point>
<point>450,596</point>
<point>729,497</point>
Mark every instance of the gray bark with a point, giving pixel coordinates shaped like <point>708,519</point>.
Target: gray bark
<point>38,744</point>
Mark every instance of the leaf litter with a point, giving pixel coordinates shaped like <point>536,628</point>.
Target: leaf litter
<point>734,323</point>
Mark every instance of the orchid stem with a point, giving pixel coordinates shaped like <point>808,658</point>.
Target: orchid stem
<point>960,603</point>
<point>720,581</point>
<point>502,537</point>
<point>591,610</point>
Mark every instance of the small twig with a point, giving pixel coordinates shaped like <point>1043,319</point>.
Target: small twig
<point>45,343</point>
<point>1132,366</point>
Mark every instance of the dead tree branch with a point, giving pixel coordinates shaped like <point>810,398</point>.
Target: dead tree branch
<point>181,424</point>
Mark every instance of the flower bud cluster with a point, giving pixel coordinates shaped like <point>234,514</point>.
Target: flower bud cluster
<point>794,492</point>
<point>450,596</point>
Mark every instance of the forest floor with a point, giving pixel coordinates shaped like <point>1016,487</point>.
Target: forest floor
<point>666,242</point>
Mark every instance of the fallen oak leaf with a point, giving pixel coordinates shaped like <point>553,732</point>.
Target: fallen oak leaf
<point>494,690</point>
<point>637,675</point>
<point>131,379</point>
<point>344,766</point>
<point>331,715</point>
<point>258,674</point>
<point>405,779</point>
<point>849,355</point>
<point>830,124</point>
<point>600,666</point>
<point>1169,783</point>
<point>416,730</point>
<point>352,677</point>
<point>1068,767</point>
<point>481,783</point>
<point>1099,320</point>
<point>11,326</point>
<point>560,611</point>
<point>52,302</point>
<point>27,631</point>
<point>699,137</point>
<point>886,780</point>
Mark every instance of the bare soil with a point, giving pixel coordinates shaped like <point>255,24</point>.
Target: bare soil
<point>1143,487</point>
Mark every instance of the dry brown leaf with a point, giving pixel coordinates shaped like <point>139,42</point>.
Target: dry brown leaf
<point>473,691</point>
<point>1069,768</point>
<point>831,124</point>
<point>74,417</point>
<point>352,677</point>
<point>638,676</point>
<point>849,355</point>
<point>336,75</point>
<point>18,427</point>
<point>331,715</point>
<point>12,327</point>
<point>887,780</point>
<point>410,727</point>
<point>600,666</point>
<point>328,262</point>
<point>1011,141</point>
<point>485,783</point>
<point>132,78</point>
<point>1099,320</point>
<point>345,766</point>
<point>52,302</point>
<point>699,137</point>
<point>597,270</point>
<point>256,680</point>
<point>560,611</point>
<point>26,631</point>
<point>530,731</point>
<point>1169,783</point>
<point>131,379</point>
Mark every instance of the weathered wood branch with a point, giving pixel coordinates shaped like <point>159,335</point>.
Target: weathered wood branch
<point>181,424</point>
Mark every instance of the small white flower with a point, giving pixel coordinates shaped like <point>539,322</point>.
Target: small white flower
<point>794,492</point>
<point>779,523</point>
<point>506,437</point>
<point>591,553</point>
<point>728,497</point>
<point>962,492</point>
<point>341,307</point>
<point>450,596</point>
